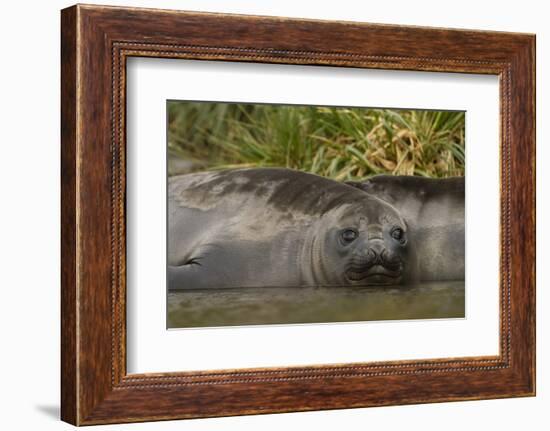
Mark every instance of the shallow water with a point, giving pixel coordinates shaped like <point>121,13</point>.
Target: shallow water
<point>278,305</point>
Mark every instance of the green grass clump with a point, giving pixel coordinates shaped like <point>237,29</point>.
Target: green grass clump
<point>339,143</point>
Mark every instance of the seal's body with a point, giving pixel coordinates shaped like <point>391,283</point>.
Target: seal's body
<point>434,212</point>
<point>279,227</point>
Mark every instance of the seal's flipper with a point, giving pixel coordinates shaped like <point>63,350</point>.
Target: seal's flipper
<point>187,276</point>
<point>199,273</point>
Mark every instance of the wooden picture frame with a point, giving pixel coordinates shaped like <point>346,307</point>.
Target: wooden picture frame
<point>95,43</point>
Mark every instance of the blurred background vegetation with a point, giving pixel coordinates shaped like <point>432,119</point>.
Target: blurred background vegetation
<point>339,143</point>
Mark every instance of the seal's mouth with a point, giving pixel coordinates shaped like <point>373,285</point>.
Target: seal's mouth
<point>376,275</point>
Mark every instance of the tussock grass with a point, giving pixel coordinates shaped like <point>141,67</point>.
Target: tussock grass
<point>339,143</point>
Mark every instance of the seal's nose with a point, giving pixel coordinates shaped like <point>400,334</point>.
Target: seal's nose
<point>385,258</point>
<point>377,246</point>
<point>375,251</point>
<point>371,258</point>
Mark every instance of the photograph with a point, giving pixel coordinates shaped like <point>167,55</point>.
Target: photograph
<point>293,214</point>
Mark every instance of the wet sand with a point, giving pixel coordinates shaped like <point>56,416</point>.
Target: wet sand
<point>276,305</point>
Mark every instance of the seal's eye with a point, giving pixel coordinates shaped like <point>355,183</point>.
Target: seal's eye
<point>398,234</point>
<point>349,235</point>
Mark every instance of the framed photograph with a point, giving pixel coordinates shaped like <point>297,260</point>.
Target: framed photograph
<point>263,214</point>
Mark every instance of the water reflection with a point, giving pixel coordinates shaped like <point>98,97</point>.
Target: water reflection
<point>276,305</point>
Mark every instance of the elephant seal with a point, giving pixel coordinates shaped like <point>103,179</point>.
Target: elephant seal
<point>434,211</point>
<point>280,227</point>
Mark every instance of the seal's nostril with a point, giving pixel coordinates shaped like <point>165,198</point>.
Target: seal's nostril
<point>377,246</point>
<point>371,255</point>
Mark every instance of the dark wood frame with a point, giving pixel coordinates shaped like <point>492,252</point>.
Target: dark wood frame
<point>95,43</point>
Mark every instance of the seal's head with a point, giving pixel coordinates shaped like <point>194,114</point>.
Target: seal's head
<point>364,244</point>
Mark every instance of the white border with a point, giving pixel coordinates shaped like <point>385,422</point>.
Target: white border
<point>152,348</point>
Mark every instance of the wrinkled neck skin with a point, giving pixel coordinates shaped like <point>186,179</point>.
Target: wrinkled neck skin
<point>312,258</point>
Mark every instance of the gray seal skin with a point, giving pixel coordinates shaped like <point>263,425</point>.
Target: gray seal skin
<point>434,211</point>
<point>280,227</point>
